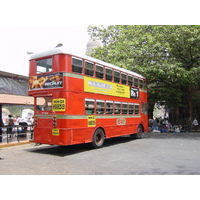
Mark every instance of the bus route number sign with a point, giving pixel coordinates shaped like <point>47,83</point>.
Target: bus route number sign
<point>58,104</point>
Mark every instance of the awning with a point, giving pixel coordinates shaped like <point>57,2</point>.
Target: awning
<point>16,99</point>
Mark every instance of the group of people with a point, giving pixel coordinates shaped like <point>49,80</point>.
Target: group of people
<point>17,121</point>
<point>160,124</point>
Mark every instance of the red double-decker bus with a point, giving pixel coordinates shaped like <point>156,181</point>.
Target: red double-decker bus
<point>79,99</point>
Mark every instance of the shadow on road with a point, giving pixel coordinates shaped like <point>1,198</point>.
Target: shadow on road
<point>74,149</point>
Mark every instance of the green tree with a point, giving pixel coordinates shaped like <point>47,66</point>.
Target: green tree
<point>168,56</point>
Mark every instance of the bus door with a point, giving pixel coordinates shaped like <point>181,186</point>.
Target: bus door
<point>43,119</point>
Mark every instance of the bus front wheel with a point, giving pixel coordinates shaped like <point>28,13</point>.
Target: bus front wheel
<point>98,138</point>
<point>138,135</point>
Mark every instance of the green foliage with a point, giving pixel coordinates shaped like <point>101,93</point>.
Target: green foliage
<point>168,56</point>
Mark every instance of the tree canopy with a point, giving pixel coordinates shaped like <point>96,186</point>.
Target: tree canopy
<point>168,56</point>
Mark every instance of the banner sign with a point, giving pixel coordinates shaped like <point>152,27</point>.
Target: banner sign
<point>47,81</point>
<point>105,87</point>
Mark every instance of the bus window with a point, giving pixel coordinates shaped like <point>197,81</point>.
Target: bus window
<point>124,108</point>
<point>89,68</point>
<point>89,106</point>
<point>116,77</point>
<point>137,109</point>
<point>144,108</point>
<point>99,107</point>
<point>141,83</point>
<point>131,108</point>
<point>44,65</point>
<point>130,80</point>
<point>124,79</point>
<point>77,65</point>
<point>44,103</point>
<point>117,107</point>
<point>135,82</point>
<point>99,71</point>
<point>108,74</point>
<point>109,107</point>
<point>145,85</point>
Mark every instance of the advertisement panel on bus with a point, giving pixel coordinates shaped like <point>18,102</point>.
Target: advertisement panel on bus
<point>46,81</point>
<point>94,85</point>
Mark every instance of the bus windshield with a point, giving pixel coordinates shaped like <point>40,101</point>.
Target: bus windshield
<point>44,65</point>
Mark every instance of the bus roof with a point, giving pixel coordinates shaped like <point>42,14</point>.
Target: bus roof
<point>64,51</point>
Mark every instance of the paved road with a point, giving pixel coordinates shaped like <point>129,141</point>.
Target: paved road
<point>155,153</point>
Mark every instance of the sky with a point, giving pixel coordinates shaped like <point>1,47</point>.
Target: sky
<point>40,25</point>
<point>17,40</point>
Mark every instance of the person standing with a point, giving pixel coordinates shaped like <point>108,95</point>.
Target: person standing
<point>10,123</point>
<point>195,124</point>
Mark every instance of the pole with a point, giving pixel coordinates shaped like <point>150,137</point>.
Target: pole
<point>1,123</point>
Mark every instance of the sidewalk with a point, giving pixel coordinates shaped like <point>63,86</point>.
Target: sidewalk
<point>13,141</point>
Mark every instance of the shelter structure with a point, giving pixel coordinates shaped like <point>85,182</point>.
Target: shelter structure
<point>13,94</point>
<point>14,90</point>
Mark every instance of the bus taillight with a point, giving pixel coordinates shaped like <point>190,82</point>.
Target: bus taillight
<point>54,121</point>
<point>35,121</point>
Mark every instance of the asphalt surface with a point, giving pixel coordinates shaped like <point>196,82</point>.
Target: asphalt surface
<point>155,153</point>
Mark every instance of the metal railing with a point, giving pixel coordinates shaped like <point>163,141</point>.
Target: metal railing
<point>17,131</point>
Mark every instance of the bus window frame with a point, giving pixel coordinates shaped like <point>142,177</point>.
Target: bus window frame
<point>145,84</point>
<point>123,79</point>
<point>127,112</point>
<point>108,68</point>
<point>138,106</point>
<point>131,111</point>
<point>115,108</point>
<point>96,66</point>
<point>98,110</point>
<point>75,58</point>
<point>89,70</point>
<point>141,83</point>
<point>109,110</point>
<point>117,79</point>
<point>88,111</point>
<point>136,83</point>
<point>131,80</point>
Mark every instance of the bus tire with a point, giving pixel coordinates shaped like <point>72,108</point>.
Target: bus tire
<point>98,138</point>
<point>138,135</point>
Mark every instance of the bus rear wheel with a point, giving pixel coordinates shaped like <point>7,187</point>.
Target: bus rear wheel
<point>98,138</point>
